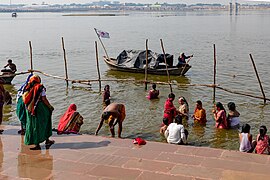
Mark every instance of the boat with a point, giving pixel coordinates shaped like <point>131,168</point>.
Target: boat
<point>134,61</point>
<point>6,77</point>
<point>14,14</point>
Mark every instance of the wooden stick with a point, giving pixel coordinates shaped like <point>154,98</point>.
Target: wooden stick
<point>15,74</point>
<point>102,44</point>
<point>98,66</point>
<point>31,56</point>
<point>146,64</point>
<point>255,69</point>
<point>169,81</point>
<point>48,75</point>
<point>185,66</point>
<point>215,64</point>
<point>65,60</point>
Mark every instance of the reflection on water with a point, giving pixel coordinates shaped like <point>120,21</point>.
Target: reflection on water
<point>139,76</point>
<point>37,166</point>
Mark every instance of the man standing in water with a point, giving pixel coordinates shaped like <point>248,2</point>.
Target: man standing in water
<point>113,114</point>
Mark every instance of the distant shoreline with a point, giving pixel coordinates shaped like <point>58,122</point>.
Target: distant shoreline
<point>96,14</point>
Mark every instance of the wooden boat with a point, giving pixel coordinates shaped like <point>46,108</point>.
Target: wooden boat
<point>160,70</point>
<point>6,77</point>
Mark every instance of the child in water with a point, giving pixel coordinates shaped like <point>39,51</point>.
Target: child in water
<point>153,93</point>
<point>106,96</point>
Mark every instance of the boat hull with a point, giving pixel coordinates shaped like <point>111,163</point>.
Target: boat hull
<point>6,79</point>
<point>172,70</point>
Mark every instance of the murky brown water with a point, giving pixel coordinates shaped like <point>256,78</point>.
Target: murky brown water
<point>193,33</point>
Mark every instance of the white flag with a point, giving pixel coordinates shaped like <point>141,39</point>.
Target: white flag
<point>103,34</point>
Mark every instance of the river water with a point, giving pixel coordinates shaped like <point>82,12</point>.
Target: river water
<point>191,32</point>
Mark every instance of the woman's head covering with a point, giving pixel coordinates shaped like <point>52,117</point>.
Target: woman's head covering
<point>185,101</point>
<point>32,93</point>
<point>22,88</point>
<point>66,117</point>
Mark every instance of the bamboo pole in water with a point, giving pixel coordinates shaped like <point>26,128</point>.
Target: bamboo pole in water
<point>256,72</point>
<point>146,63</point>
<point>65,60</point>
<point>102,44</point>
<point>215,64</point>
<point>243,94</point>
<point>99,81</point>
<point>31,56</point>
<point>168,74</point>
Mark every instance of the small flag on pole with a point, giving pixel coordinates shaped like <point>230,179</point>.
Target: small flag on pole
<point>103,34</point>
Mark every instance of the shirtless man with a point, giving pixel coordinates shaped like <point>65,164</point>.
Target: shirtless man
<point>113,114</point>
<point>12,66</point>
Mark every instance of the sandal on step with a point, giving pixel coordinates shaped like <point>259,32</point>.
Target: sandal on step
<point>49,143</point>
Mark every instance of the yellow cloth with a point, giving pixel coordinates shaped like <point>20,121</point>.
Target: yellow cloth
<point>111,118</point>
<point>200,113</point>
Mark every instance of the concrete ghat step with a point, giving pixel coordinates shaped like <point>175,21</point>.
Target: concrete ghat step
<point>97,157</point>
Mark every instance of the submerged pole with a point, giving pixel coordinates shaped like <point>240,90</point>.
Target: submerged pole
<point>65,60</point>
<point>215,64</point>
<point>168,74</point>
<point>256,72</point>
<point>146,64</point>
<point>99,81</point>
<point>31,57</point>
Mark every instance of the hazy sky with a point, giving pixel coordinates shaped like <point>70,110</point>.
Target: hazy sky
<point>137,1</point>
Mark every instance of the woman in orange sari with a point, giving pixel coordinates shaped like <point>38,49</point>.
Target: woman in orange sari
<point>38,114</point>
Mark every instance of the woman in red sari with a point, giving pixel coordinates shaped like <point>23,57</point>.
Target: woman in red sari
<point>169,109</point>
<point>70,122</point>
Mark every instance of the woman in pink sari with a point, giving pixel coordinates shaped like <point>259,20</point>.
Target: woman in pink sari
<point>220,116</point>
<point>70,122</point>
<point>262,146</point>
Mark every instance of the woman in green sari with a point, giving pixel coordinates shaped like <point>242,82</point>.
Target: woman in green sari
<point>38,114</point>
